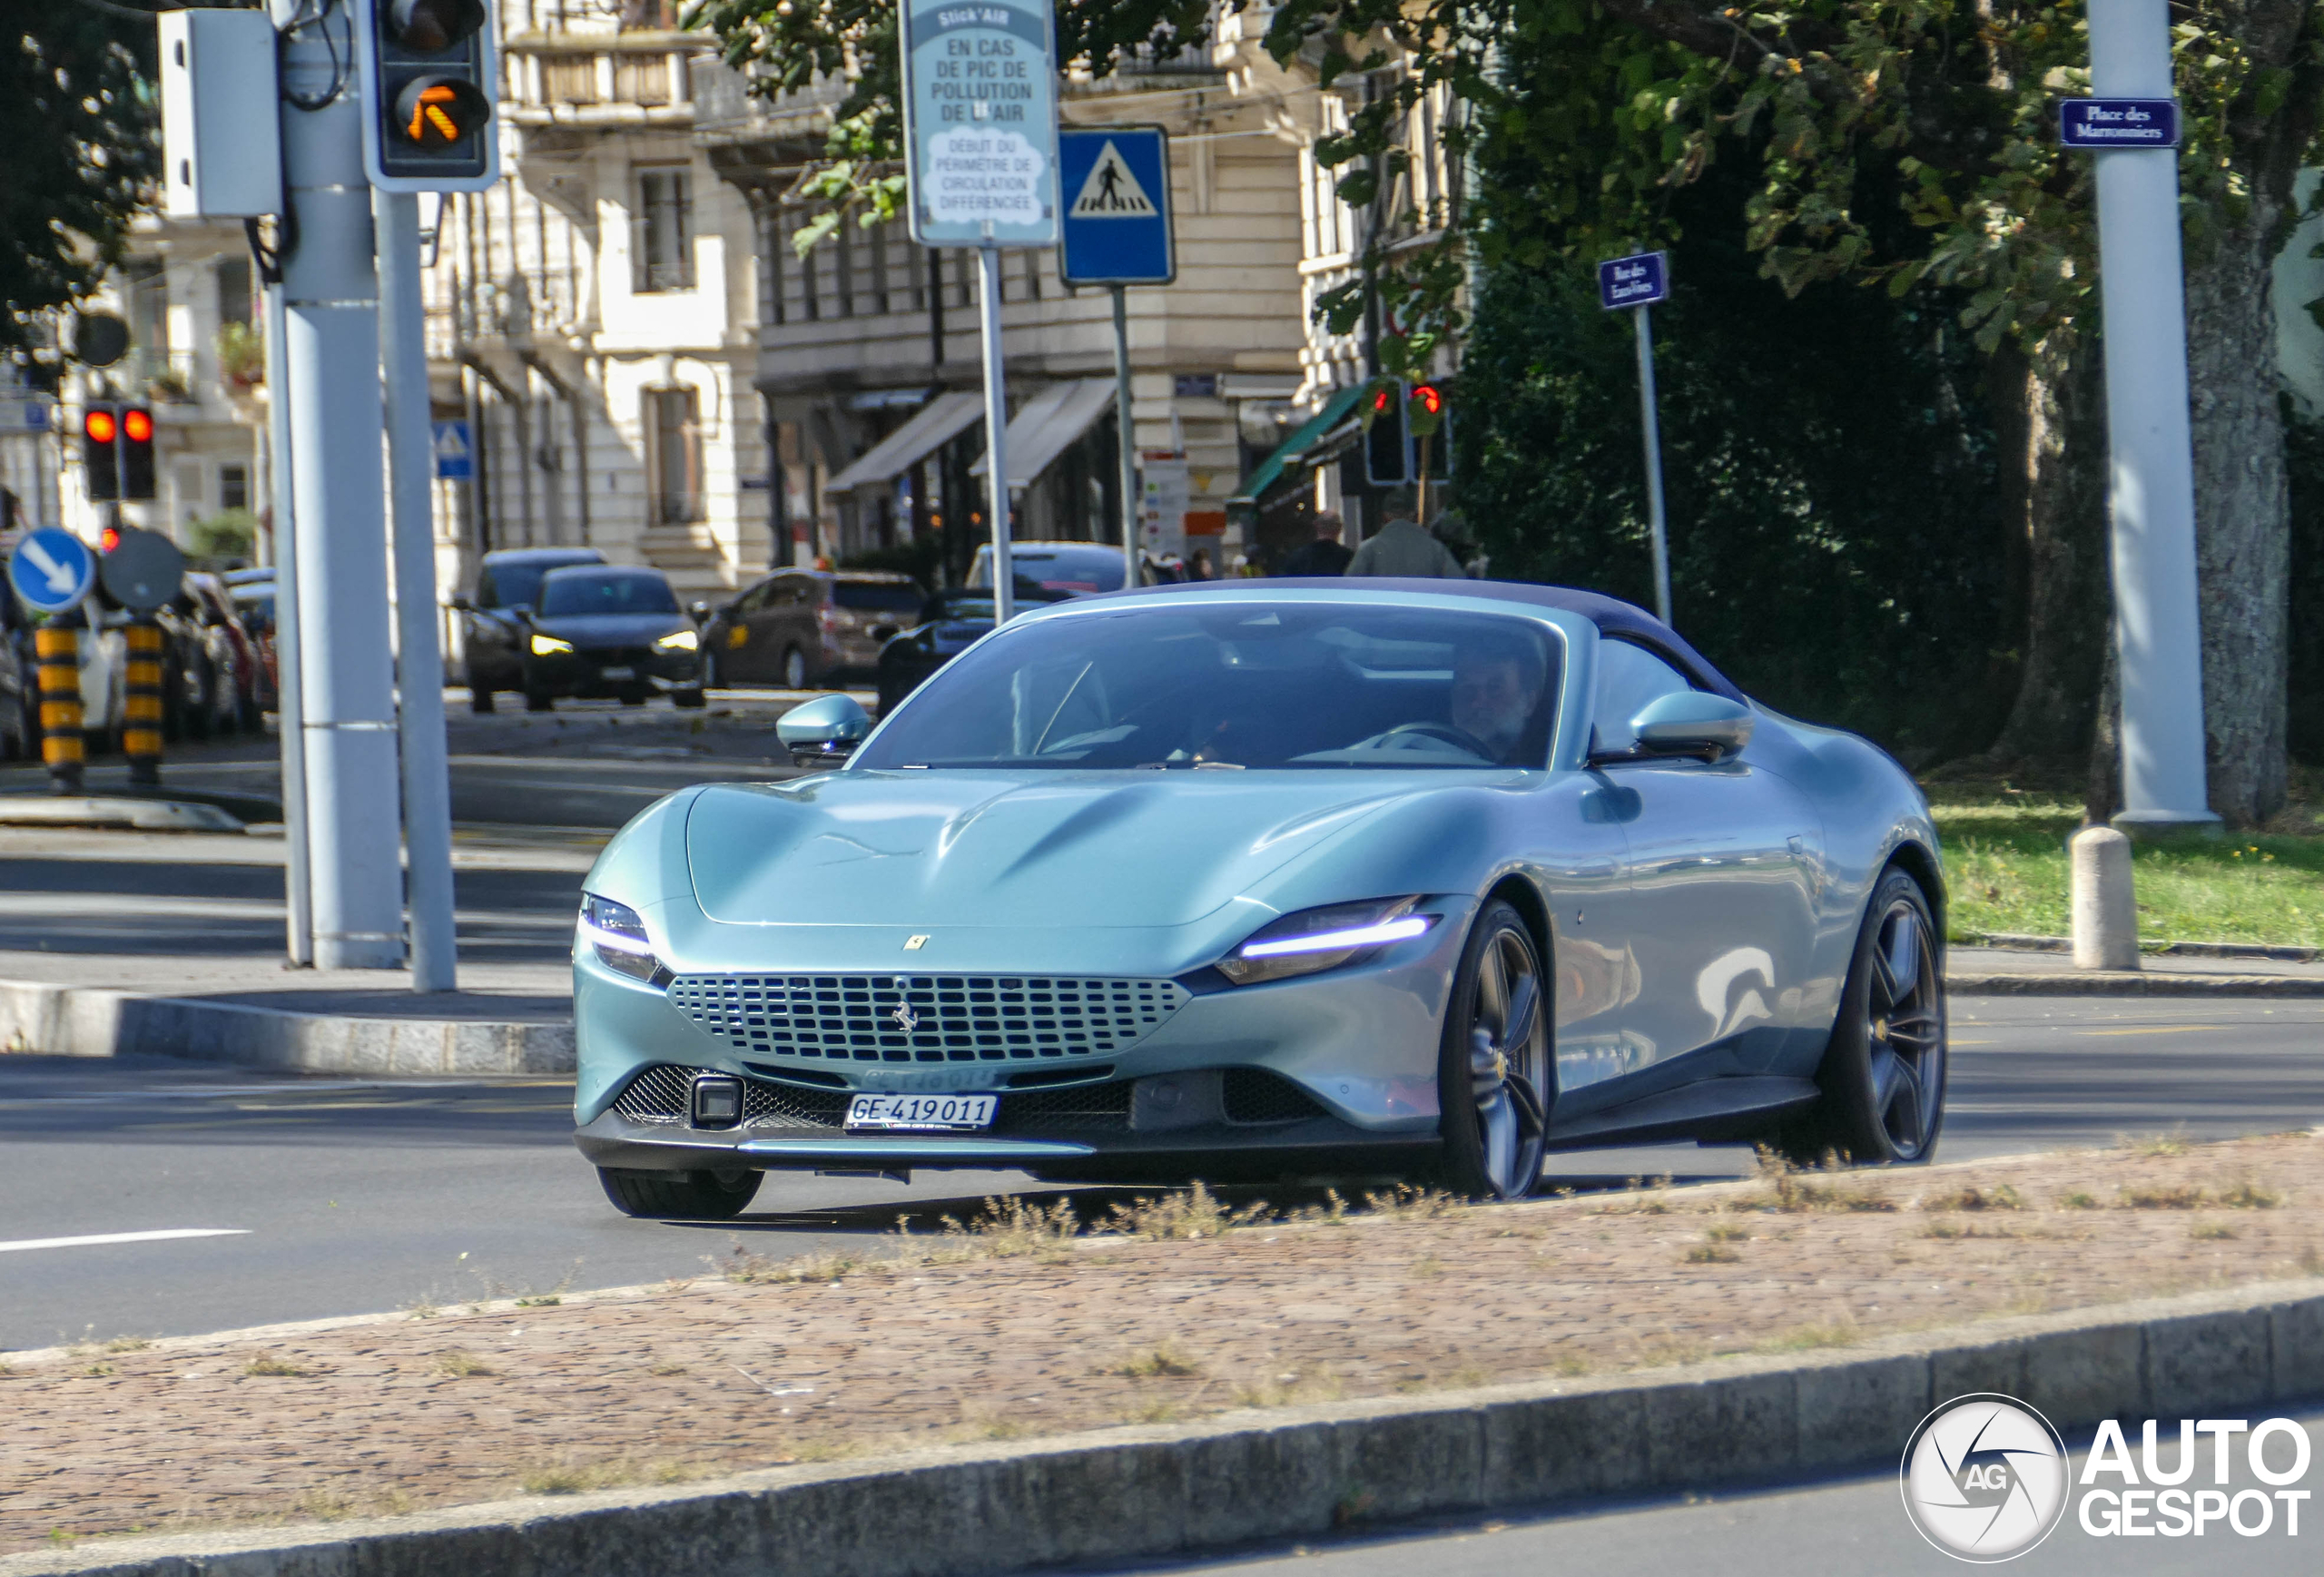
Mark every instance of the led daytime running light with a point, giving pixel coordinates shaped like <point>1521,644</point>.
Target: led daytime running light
<point>599,935</point>
<point>1397,930</point>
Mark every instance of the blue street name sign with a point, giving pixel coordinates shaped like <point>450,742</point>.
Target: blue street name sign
<point>2118,123</point>
<point>981,122</point>
<point>1634,281</point>
<point>454,455</point>
<point>51,570</point>
<point>1115,181</point>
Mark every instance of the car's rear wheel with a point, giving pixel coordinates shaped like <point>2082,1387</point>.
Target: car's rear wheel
<point>635,697</point>
<point>689,699</point>
<point>1883,1072</point>
<point>795,669</point>
<point>710,680</point>
<point>680,1196</point>
<point>539,701</point>
<point>1493,1066</point>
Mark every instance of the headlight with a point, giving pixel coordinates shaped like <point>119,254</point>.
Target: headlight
<point>618,934</point>
<point>549,646</point>
<point>1322,939</point>
<point>684,641</point>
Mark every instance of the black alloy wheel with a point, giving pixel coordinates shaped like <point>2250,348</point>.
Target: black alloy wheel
<point>1493,1067</point>
<point>1883,1072</point>
<point>719,1196</point>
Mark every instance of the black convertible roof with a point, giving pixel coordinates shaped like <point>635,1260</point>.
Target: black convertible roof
<point>1612,615</point>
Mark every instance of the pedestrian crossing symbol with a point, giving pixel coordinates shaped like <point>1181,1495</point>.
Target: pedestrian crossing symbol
<point>1111,191</point>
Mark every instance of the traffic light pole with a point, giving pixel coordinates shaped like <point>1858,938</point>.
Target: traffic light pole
<point>330,343</point>
<point>299,920</point>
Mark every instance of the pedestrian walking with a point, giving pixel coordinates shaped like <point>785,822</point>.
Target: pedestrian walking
<point>1326,554</point>
<point>1199,568</point>
<point>1404,546</point>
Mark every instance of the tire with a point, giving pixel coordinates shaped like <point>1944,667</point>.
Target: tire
<point>710,680</point>
<point>635,697</point>
<point>795,669</point>
<point>539,701</point>
<point>480,701</point>
<point>680,1196</point>
<point>688,700</point>
<point>1883,1072</point>
<point>1493,1066</point>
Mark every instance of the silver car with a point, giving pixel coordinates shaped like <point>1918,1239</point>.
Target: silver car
<point>1230,880</point>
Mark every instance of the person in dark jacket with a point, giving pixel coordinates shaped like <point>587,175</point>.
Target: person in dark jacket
<point>1327,555</point>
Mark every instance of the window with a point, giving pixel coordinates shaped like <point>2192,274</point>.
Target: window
<point>580,593</point>
<point>673,455</point>
<point>233,487</point>
<point>665,247</point>
<point>234,292</point>
<point>1628,677</point>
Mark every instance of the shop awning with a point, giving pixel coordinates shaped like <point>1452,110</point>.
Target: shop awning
<point>938,422</point>
<point>1047,425</point>
<point>1292,451</point>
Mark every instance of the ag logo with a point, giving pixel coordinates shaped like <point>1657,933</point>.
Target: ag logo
<point>1984,1478</point>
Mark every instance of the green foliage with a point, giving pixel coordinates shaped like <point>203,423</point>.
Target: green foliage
<point>78,118</point>
<point>229,534</point>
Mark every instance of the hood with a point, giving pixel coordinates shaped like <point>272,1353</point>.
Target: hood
<point>588,630</point>
<point>926,850</point>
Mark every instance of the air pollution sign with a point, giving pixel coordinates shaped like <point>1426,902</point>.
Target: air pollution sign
<point>980,122</point>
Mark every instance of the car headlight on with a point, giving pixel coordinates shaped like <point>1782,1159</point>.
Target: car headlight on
<point>682,641</point>
<point>618,933</point>
<point>549,646</point>
<point>1322,939</point>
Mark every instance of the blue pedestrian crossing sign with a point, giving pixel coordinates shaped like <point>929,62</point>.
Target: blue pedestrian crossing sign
<point>455,456</point>
<point>51,570</point>
<point>1115,181</point>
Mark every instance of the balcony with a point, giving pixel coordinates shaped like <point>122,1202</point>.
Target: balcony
<point>602,79</point>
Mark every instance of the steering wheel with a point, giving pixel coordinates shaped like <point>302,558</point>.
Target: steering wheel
<point>1459,738</point>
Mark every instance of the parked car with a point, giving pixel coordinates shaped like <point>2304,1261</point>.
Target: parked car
<point>1427,877</point>
<point>253,602</point>
<point>19,684</point>
<point>1082,567</point>
<point>607,630</point>
<point>213,681</point>
<point>493,632</point>
<point>950,623</point>
<point>802,628</point>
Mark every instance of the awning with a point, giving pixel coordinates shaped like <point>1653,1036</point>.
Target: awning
<point>1047,425</point>
<point>1292,451</point>
<point>939,422</point>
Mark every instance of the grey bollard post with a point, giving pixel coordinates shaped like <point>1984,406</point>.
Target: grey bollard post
<point>2105,913</point>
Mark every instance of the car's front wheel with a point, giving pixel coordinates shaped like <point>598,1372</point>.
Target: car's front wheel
<point>479,698</point>
<point>1884,1071</point>
<point>689,699</point>
<point>795,669</point>
<point>680,1196</point>
<point>1493,1066</point>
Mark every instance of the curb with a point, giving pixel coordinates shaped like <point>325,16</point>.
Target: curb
<point>2015,942</point>
<point>1121,1493</point>
<point>141,815</point>
<point>93,1021</point>
<point>2131,983</point>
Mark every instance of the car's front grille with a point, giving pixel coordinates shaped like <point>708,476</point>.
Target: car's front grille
<point>1101,1108</point>
<point>660,1093</point>
<point>926,1017</point>
<point>1254,1094</point>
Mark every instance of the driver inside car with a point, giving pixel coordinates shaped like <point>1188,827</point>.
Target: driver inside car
<point>1495,689</point>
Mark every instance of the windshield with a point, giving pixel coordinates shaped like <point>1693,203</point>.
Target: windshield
<point>515,583</point>
<point>1059,567</point>
<point>1240,684</point>
<point>876,597</point>
<point>566,595</point>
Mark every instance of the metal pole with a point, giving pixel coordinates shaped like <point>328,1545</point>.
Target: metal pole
<point>1656,526</point>
<point>2152,489</point>
<point>1132,578</point>
<point>297,891</point>
<point>996,434</point>
<point>332,343</point>
<point>420,658</point>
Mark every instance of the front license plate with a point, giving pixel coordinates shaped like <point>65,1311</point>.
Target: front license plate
<point>921,1113</point>
<point>618,673</point>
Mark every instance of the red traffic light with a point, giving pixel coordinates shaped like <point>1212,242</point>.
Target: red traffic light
<point>438,111</point>
<point>1428,397</point>
<point>99,427</point>
<point>432,27</point>
<point>1383,402</point>
<point>137,425</point>
<point>108,539</point>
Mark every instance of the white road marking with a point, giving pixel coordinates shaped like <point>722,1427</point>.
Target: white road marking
<point>103,1237</point>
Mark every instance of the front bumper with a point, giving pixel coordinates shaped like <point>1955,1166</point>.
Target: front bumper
<point>609,671</point>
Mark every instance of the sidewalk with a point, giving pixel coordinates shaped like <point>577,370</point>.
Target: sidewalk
<point>1998,971</point>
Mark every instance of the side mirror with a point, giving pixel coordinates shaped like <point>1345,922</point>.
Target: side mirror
<point>1693,722</point>
<point>825,730</point>
<point>700,610</point>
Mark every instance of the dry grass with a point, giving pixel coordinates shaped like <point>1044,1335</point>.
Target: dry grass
<point>266,1364</point>
<point>2001,1197</point>
<point>1161,1361</point>
<point>2210,1231</point>
<point>2161,1197</point>
<point>1710,1254</point>
<point>459,1364</point>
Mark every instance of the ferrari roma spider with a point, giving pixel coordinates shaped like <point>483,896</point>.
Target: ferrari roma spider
<point>1264,879</point>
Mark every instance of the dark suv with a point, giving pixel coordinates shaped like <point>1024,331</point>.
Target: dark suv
<point>492,625</point>
<point>609,630</point>
<point>799,628</point>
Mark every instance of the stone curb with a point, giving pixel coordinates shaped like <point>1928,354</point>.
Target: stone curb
<point>2131,983</point>
<point>1120,1494</point>
<point>141,815</point>
<point>94,1021</point>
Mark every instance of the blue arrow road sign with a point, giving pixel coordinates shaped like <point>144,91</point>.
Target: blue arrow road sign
<point>51,569</point>
<point>1115,182</point>
<point>2118,123</point>
<point>455,456</point>
<point>1634,281</point>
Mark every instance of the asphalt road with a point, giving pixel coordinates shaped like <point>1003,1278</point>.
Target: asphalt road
<point>1852,1524</point>
<point>335,1197</point>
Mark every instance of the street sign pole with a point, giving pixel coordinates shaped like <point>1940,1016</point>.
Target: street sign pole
<point>2151,484</point>
<point>1126,446</point>
<point>298,890</point>
<point>1638,283</point>
<point>996,428</point>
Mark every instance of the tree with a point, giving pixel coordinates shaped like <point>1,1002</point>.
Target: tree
<point>78,119</point>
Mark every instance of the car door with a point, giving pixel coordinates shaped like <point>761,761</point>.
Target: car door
<point>788,620</point>
<point>1720,898</point>
<point>741,661</point>
<point>490,646</point>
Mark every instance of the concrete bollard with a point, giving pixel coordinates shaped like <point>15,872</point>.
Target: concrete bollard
<point>2105,911</point>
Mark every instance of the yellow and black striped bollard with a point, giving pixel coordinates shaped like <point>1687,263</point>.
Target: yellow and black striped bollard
<point>140,713</point>
<point>57,647</point>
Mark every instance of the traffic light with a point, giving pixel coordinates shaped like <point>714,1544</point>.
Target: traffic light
<point>101,453</point>
<point>1429,416</point>
<point>1387,442</point>
<point>108,538</point>
<point>428,86</point>
<point>136,449</point>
